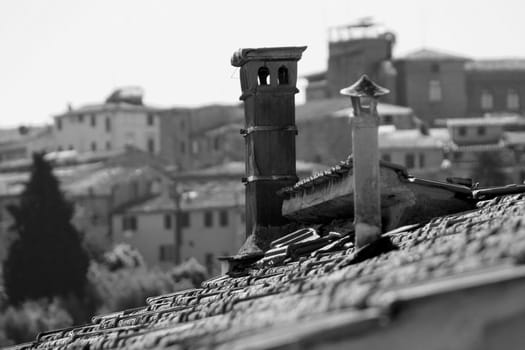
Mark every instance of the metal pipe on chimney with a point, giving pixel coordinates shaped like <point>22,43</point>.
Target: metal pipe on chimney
<point>365,122</point>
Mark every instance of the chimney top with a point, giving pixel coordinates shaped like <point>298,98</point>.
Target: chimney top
<point>364,87</point>
<point>287,53</point>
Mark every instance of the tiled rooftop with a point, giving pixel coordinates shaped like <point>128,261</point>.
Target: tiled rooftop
<point>413,138</point>
<point>110,106</point>
<point>489,120</point>
<point>102,180</point>
<point>220,194</point>
<point>314,281</point>
<point>338,107</point>
<point>497,65</point>
<point>427,54</point>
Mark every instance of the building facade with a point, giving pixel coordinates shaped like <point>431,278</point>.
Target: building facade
<point>435,84</point>
<point>495,86</point>
<point>96,191</point>
<point>121,121</point>
<point>211,225</point>
<point>359,48</point>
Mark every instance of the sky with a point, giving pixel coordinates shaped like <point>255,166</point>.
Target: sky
<point>56,52</point>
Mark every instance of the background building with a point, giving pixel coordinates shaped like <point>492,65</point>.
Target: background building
<point>495,86</point>
<point>211,225</point>
<point>435,84</point>
<point>122,120</point>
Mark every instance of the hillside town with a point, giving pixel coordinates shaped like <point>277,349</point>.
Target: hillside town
<point>385,209</point>
<point>167,181</point>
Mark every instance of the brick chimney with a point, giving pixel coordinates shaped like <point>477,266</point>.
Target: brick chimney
<point>367,196</point>
<point>268,82</point>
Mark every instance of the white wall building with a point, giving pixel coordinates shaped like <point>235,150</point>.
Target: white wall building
<point>121,121</point>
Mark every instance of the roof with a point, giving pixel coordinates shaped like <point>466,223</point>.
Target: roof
<point>22,133</point>
<point>413,138</point>
<point>102,181</point>
<point>237,169</point>
<point>514,137</point>
<point>317,76</point>
<point>431,55</point>
<point>489,65</point>
<point>13,183</point>
<point>223,129</point>
<point>108,107</point>
<point>314,288</point>
<point>481,121</point>
<point>213,195</point>
<point>489,147</point>
<point>340,107</point>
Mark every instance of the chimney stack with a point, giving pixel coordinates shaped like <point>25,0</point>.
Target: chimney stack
<point>268,83</point>
<point>367,201</point>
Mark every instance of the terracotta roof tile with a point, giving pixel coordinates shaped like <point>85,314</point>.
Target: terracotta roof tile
<point>295,297</point>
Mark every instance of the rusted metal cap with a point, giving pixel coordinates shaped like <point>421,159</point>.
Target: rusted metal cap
<point>364,87</point>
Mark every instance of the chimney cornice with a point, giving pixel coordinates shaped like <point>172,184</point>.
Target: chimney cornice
<point>288,53</point>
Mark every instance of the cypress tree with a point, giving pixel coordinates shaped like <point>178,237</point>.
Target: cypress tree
<point>46,258</point>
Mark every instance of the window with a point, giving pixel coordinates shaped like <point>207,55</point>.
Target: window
<point>70,147</point>
<point>59,123</point>
<point>481,130</point>
<point>486,100</point>
<point>409,160</point>
<point>80,118</point>
<point>462,131</point>
<point>282,76</point>
<point>421,160</point>
<point>108,124</point>
<point>184,219</point>
<point>167,221</point>
<point>264,76</point>
<point>151,119</point>
<point>386,157</point>
<point>388,119</point>
<point>434,68</point>
<point>167,252</point>
<point>93,146</point>
<point>195,147</point>
<point>108,145</point>
<point>208,219</point>
<point>434,91</point>
<point>216,143</point>
<point>151,145</point>
<point>129,223</point>
<point>223,218</point>
<point>457,156</point>
<point>513,100</point>
<point>93,120</point>
<point>183,147</point>
<point>182,124</point>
